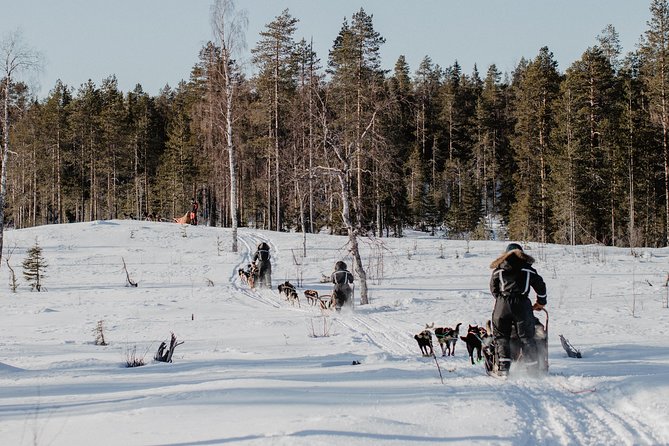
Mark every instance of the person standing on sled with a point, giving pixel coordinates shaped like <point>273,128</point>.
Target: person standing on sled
<point>261,259</point>
<point>342,292</point>
<point>510,284</point>
<point>193,212</point>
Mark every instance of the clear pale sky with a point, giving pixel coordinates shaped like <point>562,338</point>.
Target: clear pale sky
<point>156,42</point>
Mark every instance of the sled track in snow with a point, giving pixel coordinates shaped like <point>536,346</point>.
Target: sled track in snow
<point>253,294</point>
<point>550,413</point>
<point>380,334</point>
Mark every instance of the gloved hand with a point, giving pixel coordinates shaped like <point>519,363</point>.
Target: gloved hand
<point>537,306</point>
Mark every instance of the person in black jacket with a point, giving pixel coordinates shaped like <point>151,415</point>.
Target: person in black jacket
<point>262,261</point>
<point>342,292</point>
<point>510,284</point>
<point>193,212</point>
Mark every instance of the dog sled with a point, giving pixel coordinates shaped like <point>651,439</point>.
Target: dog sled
<point>491,362</point>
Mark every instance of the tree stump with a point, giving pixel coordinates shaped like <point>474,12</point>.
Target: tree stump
<point>164,354</point>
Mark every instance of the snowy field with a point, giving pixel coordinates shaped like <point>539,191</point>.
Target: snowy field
<point>255,370</point>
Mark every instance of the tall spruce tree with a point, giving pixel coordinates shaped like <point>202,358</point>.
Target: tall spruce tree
<point>177,163</point>
<point>491,142</point>
<point>357,82</point>
<point>54,117</point>
<point>458,115</point>
<point>144,150</point>
<point>85,141</point>
<point>115,167</point>
<point>655,72</point>
<point>275,55</point>
<point>588,153</point>
<point>427,83</point>
<point>566,162</point>
<point>535,88</point>
<point>638,133</point>
<point>397,126</point>
<point>609,43</point>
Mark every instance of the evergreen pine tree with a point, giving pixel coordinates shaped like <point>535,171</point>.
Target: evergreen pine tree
<point>357,87</point>
<point>641,165</point>
<point>276,57</point>
<point>34,267</point>
<point>492,141</point>
<point>586,161</point>
<point>536,86</point>
<point>655,73</point>
<point>54,118</point>
<point>397,127</point>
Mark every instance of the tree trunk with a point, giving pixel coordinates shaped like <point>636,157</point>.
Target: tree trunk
<point>276,140</point>
<point>229,90</point>
<point>311,141</point>
<point>5,157</point>
<point>352,232</point>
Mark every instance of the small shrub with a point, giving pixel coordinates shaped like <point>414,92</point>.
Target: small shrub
<point>99,332</point>
<point>132,359</point>
<point>320,330</point>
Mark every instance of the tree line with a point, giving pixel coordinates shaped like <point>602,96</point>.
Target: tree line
<point>579,156</point>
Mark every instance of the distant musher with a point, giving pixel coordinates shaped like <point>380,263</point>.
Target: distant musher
<point>262,261</point>
<point>342,292</point>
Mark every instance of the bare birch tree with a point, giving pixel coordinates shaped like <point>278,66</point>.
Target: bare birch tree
<point>344,171</point>
<point>16,58</point>
<point>229,27</point>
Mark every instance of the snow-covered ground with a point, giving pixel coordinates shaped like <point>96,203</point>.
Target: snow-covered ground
<point>255,370</point>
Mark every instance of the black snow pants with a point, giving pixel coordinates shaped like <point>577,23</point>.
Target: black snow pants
<point>264,273</point>
<point>507,312</point>
<point>342,294</point>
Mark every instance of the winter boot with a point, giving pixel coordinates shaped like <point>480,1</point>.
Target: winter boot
<point>503,366</point>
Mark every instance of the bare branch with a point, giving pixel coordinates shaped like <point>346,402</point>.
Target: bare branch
<point>16,56</point>
<point>229,26</point>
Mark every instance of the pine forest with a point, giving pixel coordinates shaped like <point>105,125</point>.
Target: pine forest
<point>318,142</point>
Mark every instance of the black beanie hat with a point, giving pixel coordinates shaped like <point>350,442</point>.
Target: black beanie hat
<point>513,246</point>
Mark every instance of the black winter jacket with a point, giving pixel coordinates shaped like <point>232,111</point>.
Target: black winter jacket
<point>513,276</point>
<point>262,253</point>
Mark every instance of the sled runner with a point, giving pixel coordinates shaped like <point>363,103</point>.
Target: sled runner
<point>541,339</point>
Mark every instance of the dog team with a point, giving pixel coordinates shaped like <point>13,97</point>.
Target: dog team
<point>513,327</point>
<point>513,333</point>
<point>475,340</point>
<point>259,273</point>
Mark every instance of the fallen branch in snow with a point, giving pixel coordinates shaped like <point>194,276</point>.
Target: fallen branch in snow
<point>127,275</point>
